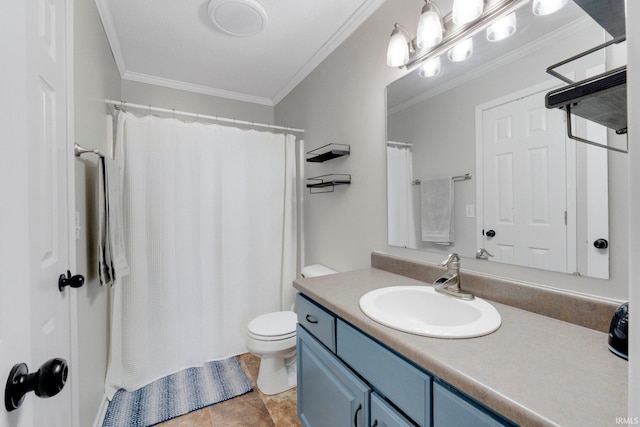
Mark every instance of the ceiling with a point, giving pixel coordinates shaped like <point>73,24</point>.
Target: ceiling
<point>175,44</point>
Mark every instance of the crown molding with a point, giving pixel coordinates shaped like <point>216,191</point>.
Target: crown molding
<point>189,87</point>
<point>354,21</point>
<point>112,35</point>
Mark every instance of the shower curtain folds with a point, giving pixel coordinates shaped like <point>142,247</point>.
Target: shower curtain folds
<point>400,207</point>
<point>210,231</point>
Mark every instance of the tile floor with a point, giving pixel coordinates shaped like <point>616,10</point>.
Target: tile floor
<point>253,409</point>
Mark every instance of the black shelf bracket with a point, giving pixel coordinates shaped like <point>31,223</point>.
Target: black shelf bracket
<point>328,152</point>
<point>601,99</point>
<point>327,183</point>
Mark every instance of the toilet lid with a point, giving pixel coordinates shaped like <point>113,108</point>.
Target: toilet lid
<point>274,324</point>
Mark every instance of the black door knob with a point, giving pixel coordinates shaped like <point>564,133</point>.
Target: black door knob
<point>69,280</point>
<point>490,233</point>
<point>45,382</point>
<point>601,244</point>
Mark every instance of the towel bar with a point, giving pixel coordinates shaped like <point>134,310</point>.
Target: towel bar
<point>78,150</point>
<point>465,177</point>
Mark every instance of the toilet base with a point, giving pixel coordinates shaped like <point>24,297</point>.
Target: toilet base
<point>277,374</point>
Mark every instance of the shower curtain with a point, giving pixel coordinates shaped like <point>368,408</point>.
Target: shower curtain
<point>210,229</point>
<point>400,213</point>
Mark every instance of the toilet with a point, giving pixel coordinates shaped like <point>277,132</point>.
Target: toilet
<point>272,337</point>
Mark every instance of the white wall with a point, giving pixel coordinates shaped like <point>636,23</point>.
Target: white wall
<point>157,96</point>
<point>343,101</point>
<point>95,77</point>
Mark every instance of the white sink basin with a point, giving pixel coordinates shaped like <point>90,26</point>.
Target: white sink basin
<point>421,310</point>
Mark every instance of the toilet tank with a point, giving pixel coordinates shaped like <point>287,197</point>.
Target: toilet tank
<point>316,270</point>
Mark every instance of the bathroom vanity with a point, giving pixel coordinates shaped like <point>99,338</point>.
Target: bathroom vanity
<point>534,370</point>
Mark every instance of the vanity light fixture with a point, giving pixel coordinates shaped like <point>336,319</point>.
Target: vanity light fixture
<point>465,11</point>
<point>546,7</point>
<point>430,28</point>
<point>462,51</point>
<point>430,68</point>
<point>502,28</point>
<point>498,18</point>
<point>399,47</point>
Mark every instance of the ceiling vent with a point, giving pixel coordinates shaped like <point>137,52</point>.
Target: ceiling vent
<point>240,18</point>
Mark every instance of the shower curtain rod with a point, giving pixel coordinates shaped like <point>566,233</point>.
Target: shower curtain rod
<point>124,104</point>
<point>401,144</point>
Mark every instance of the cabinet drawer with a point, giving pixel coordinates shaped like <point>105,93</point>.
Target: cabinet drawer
<point>320,323</point>
<point>402,383</point>
<point>451,409</point>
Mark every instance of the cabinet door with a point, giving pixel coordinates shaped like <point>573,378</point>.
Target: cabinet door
<point>452,410</point>
<point>329,394</point>
<point>406,386</point>
<point>384,415</point>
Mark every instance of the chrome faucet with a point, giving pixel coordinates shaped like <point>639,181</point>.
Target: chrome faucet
<point>482,253</point>
<point>449,283</point>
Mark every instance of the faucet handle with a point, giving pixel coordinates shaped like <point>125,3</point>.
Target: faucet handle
<point>451,258</point>
<point>482,253</point>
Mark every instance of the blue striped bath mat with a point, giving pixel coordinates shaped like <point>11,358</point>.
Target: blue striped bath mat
<point>177,394</point>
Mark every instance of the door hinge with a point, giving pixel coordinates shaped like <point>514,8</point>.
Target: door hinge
<point>565,217</point>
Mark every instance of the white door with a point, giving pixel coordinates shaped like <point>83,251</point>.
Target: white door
<point>525,184</point>
<point>595,263</point>
<point>35,176</point>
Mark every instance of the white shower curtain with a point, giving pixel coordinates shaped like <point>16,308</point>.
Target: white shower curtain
<point>400,213</point>
<point>209,216</point>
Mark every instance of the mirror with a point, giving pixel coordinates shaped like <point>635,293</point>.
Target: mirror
<point>535,197</point>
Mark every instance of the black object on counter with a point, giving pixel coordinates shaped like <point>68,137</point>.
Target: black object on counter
<point>618,332</point>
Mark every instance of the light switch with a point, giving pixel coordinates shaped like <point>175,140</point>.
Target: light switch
<point>469,211</point>
<point>77,225</point>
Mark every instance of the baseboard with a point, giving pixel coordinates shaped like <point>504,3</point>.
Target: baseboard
<point>102,411</point>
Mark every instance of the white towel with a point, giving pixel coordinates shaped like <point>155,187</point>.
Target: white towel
<point>436,209</point>
<point>112,261</point>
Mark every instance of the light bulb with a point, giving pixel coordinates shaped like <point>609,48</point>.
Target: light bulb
<point>398,50</point>
<point>545,7</point>
<point>502,28</point>
<point>430,68</point>
<point>429,26</point>
<point>461,51</point>
<point>464,11</point>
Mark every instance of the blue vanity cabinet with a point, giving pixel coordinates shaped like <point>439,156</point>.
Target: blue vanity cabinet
<point>408,387</point>
<point>347,378</point>
<point>451,409</point>
<point>385,415</point>
<point>329,394</point>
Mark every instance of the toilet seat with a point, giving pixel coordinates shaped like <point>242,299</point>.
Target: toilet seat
<point>275,326</point>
